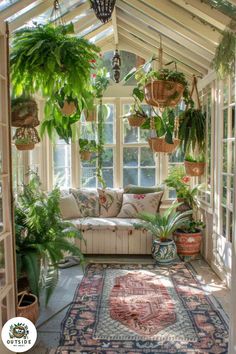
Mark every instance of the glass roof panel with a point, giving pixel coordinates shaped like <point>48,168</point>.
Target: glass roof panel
<point>223,6</point>
<point>6,3</point>
<point>102,35</point>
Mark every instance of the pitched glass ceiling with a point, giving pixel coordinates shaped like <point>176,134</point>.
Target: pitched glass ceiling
<point>6,3</point>
<point>223,6</point>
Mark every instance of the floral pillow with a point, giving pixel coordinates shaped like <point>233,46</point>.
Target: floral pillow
<point>87,202</point>
<point>133,204</point>
<point>110,201</point>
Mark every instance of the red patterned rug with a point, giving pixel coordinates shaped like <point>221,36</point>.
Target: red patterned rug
<point>143,309</point>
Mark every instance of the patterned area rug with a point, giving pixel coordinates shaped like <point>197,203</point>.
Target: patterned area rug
<point>143,309</point>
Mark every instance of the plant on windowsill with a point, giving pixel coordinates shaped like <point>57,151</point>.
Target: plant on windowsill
<point>161,88</point>
<point>42,237</point>
<point>87,148</point>
<point>195,166</point>
<point>162,228</point>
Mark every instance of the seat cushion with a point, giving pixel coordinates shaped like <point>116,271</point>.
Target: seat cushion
<point>112,224</point>
<point>87,201</point>
<point>133,204</point>
<point>110,201</point>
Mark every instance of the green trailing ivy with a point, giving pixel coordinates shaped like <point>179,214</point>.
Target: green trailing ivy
<point>224,59</point>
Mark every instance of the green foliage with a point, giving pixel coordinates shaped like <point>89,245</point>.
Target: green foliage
<point>47,58</point>
<point>42,236</point>
<point>23,141</point>
<point>192,130</point>
<point>193,226</point>
<point>199,158</point>
<point>162,227</point>
<point>178,180</point>
<point>224,59</point>
<point>101,82</point>
<point>88,145</point>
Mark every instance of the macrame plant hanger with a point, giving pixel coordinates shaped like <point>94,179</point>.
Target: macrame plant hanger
<point>199,106</point>
<point>56,14</point>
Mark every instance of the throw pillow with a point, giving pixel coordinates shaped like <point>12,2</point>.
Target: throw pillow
<point>110,201</point>
<point>68,207</point>
<point>87,201</point>
<point>132,189</point>
<point>133,204</point>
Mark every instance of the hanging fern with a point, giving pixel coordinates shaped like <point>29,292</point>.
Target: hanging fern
<point>224,59</point>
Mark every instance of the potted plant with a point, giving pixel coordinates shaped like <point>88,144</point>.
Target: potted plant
<point>186,195</point>
<point>87,148</point>
<point>136,116</point>
<point>42,237</point>
<point>188,239</point>
<point>24,143</point>
<point>25,138</point>
<point>24,112</point>
<point>162,229</point>
<point>194,166</point>
<point>162,88</point>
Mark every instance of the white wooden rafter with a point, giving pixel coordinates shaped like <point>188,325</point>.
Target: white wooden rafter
<point>115,29</point>
<point>76,11</point>
<point>100,29</point>
<point>168,32</point>
<point>16,7</point>
<point>85,22</point>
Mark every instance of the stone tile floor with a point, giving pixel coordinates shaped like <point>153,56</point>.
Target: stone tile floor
<point>49,323</point>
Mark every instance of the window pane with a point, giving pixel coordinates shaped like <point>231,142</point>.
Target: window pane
<point>89,177</point>
<point>223,213</point>
<point>62,177</point>
<point>130,134</point>
<point>130,176</point>
<point>147,177</point>
<point>225,121</point>
<point>108,176</point>
<point>130,157</point>
<point>147,157</point>
<point>62,164</point>
<point>108,157</point>
<point>108,133</point>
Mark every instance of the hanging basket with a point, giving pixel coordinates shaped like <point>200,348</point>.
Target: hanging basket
<point>68,109</point>
<point>160,93</point>
<point>85,155</point>
<point>160,145</point>
<point>25,114</point>
<point>135,120</point>
<point>24,147</point>
<point>194,168</point>
<point>28,306</point>
<point>91,116</point>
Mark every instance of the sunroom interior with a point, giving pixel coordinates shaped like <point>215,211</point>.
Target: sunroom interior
<point>112,150</point>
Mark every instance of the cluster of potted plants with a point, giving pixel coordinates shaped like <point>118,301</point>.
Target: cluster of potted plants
<point>42,237</point>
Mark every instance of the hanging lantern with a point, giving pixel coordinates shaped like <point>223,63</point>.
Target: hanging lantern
<point>116,64</point>
<point>103,9</point>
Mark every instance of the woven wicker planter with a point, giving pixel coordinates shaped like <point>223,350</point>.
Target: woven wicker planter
<point>24,147</point>
<point>68,108</point>
<point>85,155</point>
<point>91,116</point>
<point>25,115</point>
<point>28,307</point>
<point>194,168</point>
<point>188,244</point>
<point>163,93</point>
<point>160,145</point>
<point>135,120</point>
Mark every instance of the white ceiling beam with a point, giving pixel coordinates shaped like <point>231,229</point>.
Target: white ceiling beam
<point>102,41</point>
<point>184,18</point>
<point>151,49</point>
<point>85,22</point>
<point>168,31</point>
<point>205,12</point>
<point>76,11</point>
<point>171,54</point>
<point>27,16</point>
<point>14,8</point>
<point>98,30</point>
<point>167,42</point>
<point>114,24</point>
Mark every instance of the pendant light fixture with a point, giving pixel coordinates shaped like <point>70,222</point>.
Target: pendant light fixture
<point>116,64</point>
<point>103,9</point>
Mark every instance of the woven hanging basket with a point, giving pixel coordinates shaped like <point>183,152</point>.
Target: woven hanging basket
<point>85,155</point>
<point>68,109</point>
<point>28,307</point>
<point>194,168</point>
<point>25,114</point>
<point>91,116</point>
<point>160,93</point>
<point>135,120</point>
<point>160,145</point>
<point>24,147</point>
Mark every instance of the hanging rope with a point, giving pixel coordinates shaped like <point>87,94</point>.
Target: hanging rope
<point>56,14</point>
<point>194,87</point>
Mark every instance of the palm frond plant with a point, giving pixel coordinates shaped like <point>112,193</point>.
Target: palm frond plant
<point>42,237</point>
<point>162,228</point>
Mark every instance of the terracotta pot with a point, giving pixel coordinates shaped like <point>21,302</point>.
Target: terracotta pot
<point>135,120</point>
<point>164,252</point>
<point>194,168</point>
<point>24,147</point>
<point>68,108</point>
<point>162,93</point>
<point>188,244</point>
<point>160,145</point>
<point>85,155</point>
<point>28,307</point>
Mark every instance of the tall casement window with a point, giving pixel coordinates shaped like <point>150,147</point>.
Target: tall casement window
<point>227,159</point>
<point>62,163</point>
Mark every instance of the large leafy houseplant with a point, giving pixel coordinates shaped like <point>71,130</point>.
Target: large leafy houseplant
<point>42,237</point>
